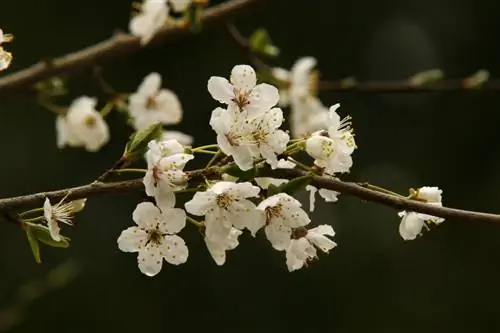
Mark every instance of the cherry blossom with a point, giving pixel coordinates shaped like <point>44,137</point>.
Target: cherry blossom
<point>154,237</point>
<point>152,104</point>
<point>282,213</point>
<point>242,91</point>
<point>82,126</point>
<point>302,248</point>
<point>60,212</point>
<point>225,205</point>
<point>151,18</point>
<point>218,249</point>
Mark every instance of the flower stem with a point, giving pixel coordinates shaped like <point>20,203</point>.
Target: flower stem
<point>202,151</point>
<point>214,158</point>
<point>300,165</point>
<point>380,189</point>
<point>193,221</point>
<point>31,211</point>
<point>214,146</point>
<point>130,170</point>
<point>35,219</point>
<point>107,108</point>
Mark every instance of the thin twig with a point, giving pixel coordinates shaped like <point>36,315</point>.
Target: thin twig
<point>117,46</point>
<point>479,81</point>
<point>349,188</point>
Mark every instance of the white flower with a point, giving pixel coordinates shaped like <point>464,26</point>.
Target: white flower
<point>158,149</point>
<point>328,195</point>
<point>302,248</point>
<point>333,152</point>
<point>300,81</point>
<point>82,125</point>
<point>5,38</point>
<point>225,205</point>
<point>165,175</point>
<point>264,182</point>
<point>282,213</point>
<point>182,138</point>
<point>248,140</point>
<point>307,116</point>
<point>411,222</point>
<point>5,59</point>
<point>180,5</point>
<point>149,20</point>
<point>61,212</point>
<point>152,104</point>
<point>218,249</point>
<point>242,91</point>
<point>155,237</point>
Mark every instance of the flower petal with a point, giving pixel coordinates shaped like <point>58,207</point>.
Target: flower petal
<point>146,214</point>
<point>149,259</point>
<point>173,220</point>
<point>243,78</point>
<point>150,85</point>
<point>132,239</point>
<point>174,250</point>
<point>220,89</point>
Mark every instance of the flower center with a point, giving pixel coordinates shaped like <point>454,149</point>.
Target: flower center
<point>90,121</point>
<point>327,148</point>
<point>223,200</point>
<point>155,236</point>
<point>151,103</point>
<point>241,99</point>
<point>274,211</point>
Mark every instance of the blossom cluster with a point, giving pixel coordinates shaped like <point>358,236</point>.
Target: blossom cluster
<point>82,125</point>
<point>248,130</point>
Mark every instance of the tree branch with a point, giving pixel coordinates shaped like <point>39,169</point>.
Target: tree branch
<point>349,188</point>
<point>120,45</point>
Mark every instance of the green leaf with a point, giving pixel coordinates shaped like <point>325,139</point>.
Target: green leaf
<point>294,185</point>
<point>233,170</point>
<point>42,234</point>
<point>35,246</point>
<point>52,87</point>
<point>260,42</point>
<point>138,142</point>
<point>272,190</point>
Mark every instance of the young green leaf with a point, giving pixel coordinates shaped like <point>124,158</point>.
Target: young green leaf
<point>42,234</point>
<point>138,142</point>
<point>35,246</point>
<point>290,187</point>
<point>260,42</point>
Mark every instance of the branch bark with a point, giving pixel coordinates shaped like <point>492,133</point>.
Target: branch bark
<point>120,45</point>
<point>348,188</point>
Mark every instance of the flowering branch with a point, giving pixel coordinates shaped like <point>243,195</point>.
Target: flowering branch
<point>349,188</point>
<point>119,45</point>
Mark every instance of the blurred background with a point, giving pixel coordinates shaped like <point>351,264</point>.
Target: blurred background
<point>445,281</point>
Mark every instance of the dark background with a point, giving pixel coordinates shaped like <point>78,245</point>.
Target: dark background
<point>446,281</point>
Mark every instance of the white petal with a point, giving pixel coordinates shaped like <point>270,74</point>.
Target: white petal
<point>316,237</point>
<point>243,78</point>
<point>145,215</point>
<point>173,220</point>
<point>279,235</point>
<point>169,107</point>
<point>216,229</point>
<point>201,203</point>
<point>264,182</point>
<point>312,196</point>
<point>164,196</point>
<point>150,85</point>
<point>220,89</point>
<point>269,95</point>
<point>54,230</point>
<point>430,194</point>
<point>320,148</point>
<point>410,226</point>
<point>218,250</point>
<point>150,260</point>
<point>301,70</point>
<point>132,239</point>
<point>182,138</point>
<point>328,195</point>
<point>174,250</point>
<point>280,74</point>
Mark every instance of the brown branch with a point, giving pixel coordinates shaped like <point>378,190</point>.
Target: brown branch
<point>349,188</point>
<point>419,83</point>
<point>118,46</point>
